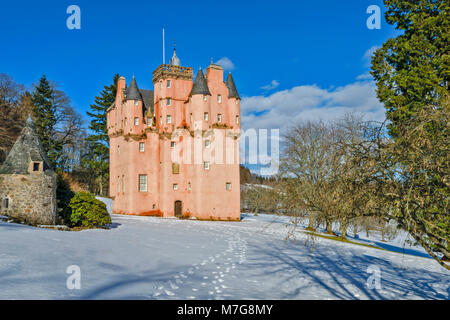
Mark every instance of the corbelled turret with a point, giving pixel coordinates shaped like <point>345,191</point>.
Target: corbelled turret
<point>200,85</point>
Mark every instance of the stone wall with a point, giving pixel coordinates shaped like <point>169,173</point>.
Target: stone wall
<point>31,197</point>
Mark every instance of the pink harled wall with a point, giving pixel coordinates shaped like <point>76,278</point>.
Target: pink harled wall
<point>203,193</point>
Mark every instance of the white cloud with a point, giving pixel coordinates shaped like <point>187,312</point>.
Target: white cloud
<point>368,55</point>
<point>225,63</point>
<point>273,85</point>
<point>310,102</point>
<point>364,76</point>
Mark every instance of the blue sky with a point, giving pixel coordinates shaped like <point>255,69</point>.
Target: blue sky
<point>291,60</point>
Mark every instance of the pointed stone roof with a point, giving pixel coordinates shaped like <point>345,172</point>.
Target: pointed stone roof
<point>132,92</point>
<point>27,148</point>
<point>175,61</point>
<point>232,91</point>
<point>200,85</point>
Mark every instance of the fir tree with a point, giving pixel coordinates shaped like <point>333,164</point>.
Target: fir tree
<point>97,158</point>
<point>44,114</point>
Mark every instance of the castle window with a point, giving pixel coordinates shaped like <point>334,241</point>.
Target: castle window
<point>169,119</point>
<point>149,121</point>
<point>172,144</point>
<point>219,98</point>
<point>206,116</point>
<point>228,186</point>
<point>136,121</point>
<point>141,146</point>
<point>118,150</point>
<point>206,165</point>
<point>237,119</point>
<point>175,186</point>
<point>6,203</point>
<point>190,117</point>
<point>136,102</point>
<point>168,83</point>
<point>219,118</point>
<point>205,97</point>
<point>207,143</point>
<point>169,102</point>
<point>142,183</point>
<point>36,166</point>
<point>189,186</point>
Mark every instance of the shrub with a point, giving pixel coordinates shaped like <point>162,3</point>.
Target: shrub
<point>85,210</point>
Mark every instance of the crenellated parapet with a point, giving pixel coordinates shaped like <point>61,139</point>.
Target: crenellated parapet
<point>165,71</point>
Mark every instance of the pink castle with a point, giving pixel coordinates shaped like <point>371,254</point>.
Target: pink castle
<point>174,151</point>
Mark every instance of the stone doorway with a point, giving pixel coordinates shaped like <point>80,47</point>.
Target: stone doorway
<point>178,208</point>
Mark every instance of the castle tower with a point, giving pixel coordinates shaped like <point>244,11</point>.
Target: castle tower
<point>27,183</point>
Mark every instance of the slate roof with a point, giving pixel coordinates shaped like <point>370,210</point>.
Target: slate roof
<point>148,99</point>
<point>132,92</point>
<point>27,148</point>
<point>232,91</point>
<point>200,86</point>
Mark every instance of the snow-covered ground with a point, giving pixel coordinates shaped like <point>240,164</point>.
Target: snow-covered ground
<point>154,258</point>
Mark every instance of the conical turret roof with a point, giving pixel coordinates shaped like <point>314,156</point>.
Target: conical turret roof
<point>27,148</point>
<point>175,61</point>
<point>200,85</point>
<point>132,92</point>
<point>232,91</point>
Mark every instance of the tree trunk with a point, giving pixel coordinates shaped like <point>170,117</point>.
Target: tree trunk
<point>343,229</point>
<point>329,226</point>
<point>311,222</point>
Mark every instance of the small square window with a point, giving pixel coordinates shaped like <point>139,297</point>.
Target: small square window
<point>207,143</point>
<point>206,165</point>
<point>36,166</point>
<point>219,118</point>
<point>169,119</point>
<point>172,144</point>
<point>169,102</point>
<point>168,83</point>
<point>206,116</point>
<point>228,186</point>
<point>205,98</point>
<point>175,186</point>
<point>136,121</point>
<point>141,146</point>
<point>219,98</point>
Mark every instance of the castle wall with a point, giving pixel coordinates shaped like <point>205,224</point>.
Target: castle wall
<point>31,197</point>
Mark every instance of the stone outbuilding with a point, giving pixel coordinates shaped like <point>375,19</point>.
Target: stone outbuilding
<point>27,183</point>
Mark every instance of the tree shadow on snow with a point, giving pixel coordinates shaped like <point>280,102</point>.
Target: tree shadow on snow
<point>343,276</point>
